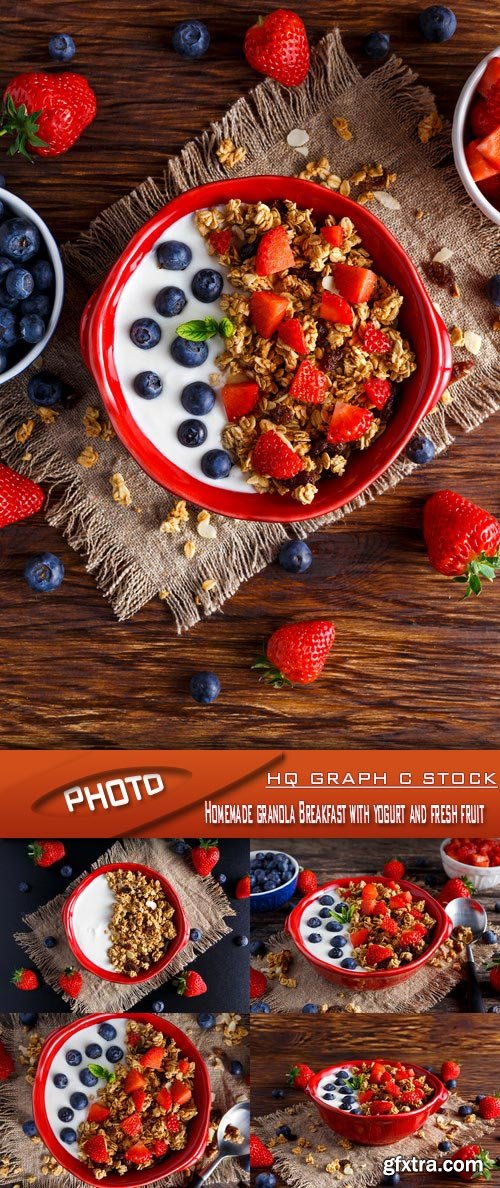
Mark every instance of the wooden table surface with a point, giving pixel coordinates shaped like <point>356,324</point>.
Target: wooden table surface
<point>422,862</point>
<point>407,645</point>
<point>319,1041</point>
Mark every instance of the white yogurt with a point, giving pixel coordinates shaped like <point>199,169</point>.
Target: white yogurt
<point>57,1099</point>
<point>331,1089</point>
<point>322,948</point>
<point>91,919</point>
<point>160,418</point>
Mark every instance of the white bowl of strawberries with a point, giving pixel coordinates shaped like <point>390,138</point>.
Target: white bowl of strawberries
<point>476,136</point>
<point>477,859</point>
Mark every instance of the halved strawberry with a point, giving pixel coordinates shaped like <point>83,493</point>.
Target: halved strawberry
<point>356,284</point>
<point>490,76</point>
<point>374,340</point>
<point>309,384</point>
<point>260,1155</point>
<point>138,1154</point>
<point>377,391</point>
<point>97,1112</point>
<point>96,1149</point>
<point>134,1080</point>
<point>273,456</point>
<point>132,1125</point>
<point>333,235</point>
<point>274,253</point>
<point>489,147</point>
<point>365,1095</point>
<point>153,1058</point>
<point>220,240</point>
<point>410,1097</point>
<point>412,936</point>
<point>482,120</point>
<point>369,891</point>
<point>173,1124</point>
<point>380,1107</point>
<point>181,1093</point>
<point>359,936</point>
<point>348,423</point>
<point>164,1099</point>
<point>388,926</point>
<point>377,1072</point>
<point>267,310</point>
<point>160,1148</point>
<point>376,954</point>
<point>258,983</point>
<point>292,334</point>
<point>335,308</point>
<point>493,105</point>
<point>138,1097</point>
<point>240,399</point>
<point>480,169</point>
<point>401,900</point>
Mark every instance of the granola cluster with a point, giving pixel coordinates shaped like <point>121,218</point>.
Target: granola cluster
<point>141,924</point>
<point>347,356</point>
<point>387,926</point>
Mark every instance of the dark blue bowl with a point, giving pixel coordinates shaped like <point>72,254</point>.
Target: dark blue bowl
<point>268,901</point>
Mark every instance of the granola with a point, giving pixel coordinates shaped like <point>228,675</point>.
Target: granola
<point>376,1087</point>
<point>141,924</point>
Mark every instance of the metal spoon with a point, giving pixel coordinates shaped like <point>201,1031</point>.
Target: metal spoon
<point>468,913</point>
<point>239,1117</point>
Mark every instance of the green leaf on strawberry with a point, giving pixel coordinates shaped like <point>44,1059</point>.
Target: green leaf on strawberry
<point>22,127</point>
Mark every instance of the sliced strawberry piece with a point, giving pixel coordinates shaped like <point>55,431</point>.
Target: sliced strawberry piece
<point>96,1149</point>
<point>359,936</point>
<point>333,235</point>
<point>138,1154</point>
<point>134,1080</point>
<point>388,926</point>
<point>377,1072</point>
<point>380,1107</point>
<point>365,1095</point>
<point>335,308</point>
<point>348,423</point>
<point>138,1098</point>
<point>292,334</point>
<point>401,900</point>
<point>240,399</point>
<point>97,1112</point>
<point>480,169</point>
<point>173,1124</point>
<point>369,891</point>
<point>489,147</point>
<point>273,457</point>
<point>258,983</point>
<point>220,240</point>
<point>160,1148</point>
<point>181,1093</point>
<point>164,1099</point>
<point>378,391</point>
<point>374,340</point>
<point>490,187</point>
<point>132,1125</point>
<point>354,283</point>
<point>153,1058</point>
<point>490,77</point>
<point>267,311</point>
<point>183,1066</point>
<point>309,384</point>
<point>482,120</point>
<point>376,954</point>
<point>274,253</point>
<point>493,106</point>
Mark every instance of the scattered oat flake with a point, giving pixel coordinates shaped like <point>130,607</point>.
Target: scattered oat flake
<point>342,127</point>
<point>387,200</point>
<point>442,256</point>
<point>177,515</point>
<point>472,342</point>
<point>456,336</point>
<point>429,126</point>
<point>163,594</point>
<point>47,415</point>
<point>189,549</point>
<point>24,431</point>
<point>88,457</point>
<point>419,214</point>
<point>297,138</point>
<point>121,493</point>
<point>496,324</point>
<point>208,584</point>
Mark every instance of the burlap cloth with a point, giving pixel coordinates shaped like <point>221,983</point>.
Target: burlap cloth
<point>358,1166</point>
<point>124,549</point>
<point>204,903</point>
<point>24,1161</point>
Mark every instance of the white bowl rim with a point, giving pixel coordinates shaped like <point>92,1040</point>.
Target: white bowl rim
<point>273,890</point>
<point>20,207</point>
<point>457,137</point>
<point>466,865</point>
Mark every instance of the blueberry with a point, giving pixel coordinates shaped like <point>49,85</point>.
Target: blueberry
<point>420,450</point>
<point>19,239</point>
<point>192,433</point>
<point>343,1075</point>
<point>329,1087</point>
<point>310,1008</point>
<point>50,942</point>
<point>8,331</point>
<point>5,266</point>
<point>465,1111</point>
<point>158,1006</point>
<point>198,398</point>
<point>349,963</point>
<point>66,872</point>
<point>195,935</point>
<point>6,301</point>
<point>326,900</point>
<point>333,926</point>
<point>260,1008</point>
<point>314,938</point>
<point>32,328</point>
<point>114,1054</point>
<point>93,1051</point>
<point>46,389</point>
<point>60,1081</point>
<point>376,45</point>
<point>28,1018</point>
<point>68,1135</point>
<point>25,887</point>
<point>29,1128</point>
<point>390,1180</point>
<point>492,289</point>
<point>356,1110</point>
<point>240,940</point>
<point>345,1104</point>
<point>444,1146</point>
<point>221,879</point>
<point>62,47</point>
<point>247,250</point>
<point>37,303</point>
<point>265,1180</point>
<point>189,354</point>
<point>65,1115</point>
<point>340,942</point>
<point>191,39</point>
<point>480,1097</point>
<point>494,1010</point>
<point>170,302</point>
<point>19,283</point>
<point>180,846</point>
<point>73,1057</point>
<point>314,922</point>
<point>148,385</point>
<point>236,1068</point>
<point>206,1021</point>
<point>295,556</point>
<point>44,573</point>
<point>349,1100</point>
<point>174,255</point>
<point>437,23</point>
<point>328,1097</point>
<point>145,333</point>
<point>107,1031</point>
<point>204,687</point>
<point>285,1131</point>
<point>258,948</point>
<point>451,1084</point>
<point>277,1094</point>
<point>244,1161</point>
<point>216,464</point>
<point>207,285</point>
<point>325,913</point>
<point>489,937</point>
<point>87,1078</point>
<point>497,907</point>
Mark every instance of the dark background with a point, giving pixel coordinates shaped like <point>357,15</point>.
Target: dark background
<point>407,646</point>
<point>224,966</point>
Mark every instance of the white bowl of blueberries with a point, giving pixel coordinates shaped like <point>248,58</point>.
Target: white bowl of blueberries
<point>31,285</point>
<point>273,879</point>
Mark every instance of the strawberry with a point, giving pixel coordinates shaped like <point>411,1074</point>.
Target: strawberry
<point>134,1080</point>
<point>309,384</point>
<point>480,169</point>
<point>335,308</point>
<point>394,869</point>
<point>19,496</point>
<point>369,891</point>
<point>260,1155</point>
<point>365,1095</point>
<point>463,541</point>
<point>242,890</point>
<point>307,882</point>
<point>45,853</point>
<point>138,1154</point>
<point>46,112</point>
<point>401,901</point>
<point>164,1099</point>
<point>354,283</point>
<point>292,334</point>
<point>388,926</point>
<point>490,76</point>
<point>359,936</point>
<point>183,1066</point>
<point>377,1072</point>
<point>493,105</point>
<point>489,147</point>
<point>489,1107</point>
<point>494,973</point>
<point>160,1148</point>
<point>411,1097</point>
<point>240,399</point>
<point>375,954</point>
<point>299,1075</point>
<point>205,856</point>
<point>333,235</point>
<point>190,984</point>
<point>411,937</point>
<point>274,253</point>
<point>481,121</point>
<point>153,1058</point>
<point>258,983</point>
<point>131,1126</point>
<point>381,1107</point>
<point>273,456</point>
<point>96,1149</point>
<point>348,422</point>
<point>98,1112</point>
<point>70,982</point>
<point>277,46</point>
<point>455,889</point>
<point>473,1153</point>
<point>6,1063</point>
<point>181,1093</point>
<point>220,240</point>
<point>173,1124</point>
<point>297,652</point>
<point>267,311</point>
<point>374,341</point>
<point>138,1099</point>
<point>25,979</point>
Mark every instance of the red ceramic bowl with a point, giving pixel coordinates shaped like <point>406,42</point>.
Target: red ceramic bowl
<point>179,942</point>
<point>370,979</point>
<point>382,1130</point>
<point>176,1162</point>
<point>419,321</point>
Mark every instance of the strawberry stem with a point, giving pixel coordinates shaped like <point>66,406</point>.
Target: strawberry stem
<point>482,567</point>
<point>270,673</point>
<point>16,122</point>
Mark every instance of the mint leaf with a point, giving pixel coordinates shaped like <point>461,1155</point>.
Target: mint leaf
<point>104,1075</point>
<point>226,328</point>
<point>198,330</point>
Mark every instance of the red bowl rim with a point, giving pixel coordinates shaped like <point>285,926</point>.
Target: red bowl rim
<point>97,336</point>
<point>443,921</point>
<point>135,1179</point>
<point>107,975</point>
<point>440,1095</point>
